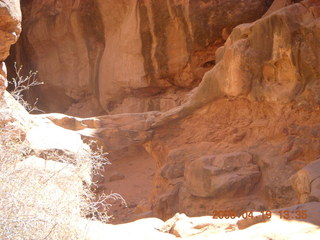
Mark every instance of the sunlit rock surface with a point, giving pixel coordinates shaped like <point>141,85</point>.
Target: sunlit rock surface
<point>10,28</point>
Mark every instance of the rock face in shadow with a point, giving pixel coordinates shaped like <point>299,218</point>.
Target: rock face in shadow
<point>63,41</point>
<point>124,56</point>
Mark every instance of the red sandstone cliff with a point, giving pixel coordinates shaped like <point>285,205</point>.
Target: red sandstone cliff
<point>124,56</point>
<point>246,138</point>
<point>250,124</point>
<point>232,142</point>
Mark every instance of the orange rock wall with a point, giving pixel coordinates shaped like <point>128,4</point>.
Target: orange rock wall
<point>228,140</point>
<point>124,56</point>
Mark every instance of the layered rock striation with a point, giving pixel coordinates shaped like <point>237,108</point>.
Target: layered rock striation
<point>124,56</point>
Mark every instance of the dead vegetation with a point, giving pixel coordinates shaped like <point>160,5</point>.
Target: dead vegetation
<point>46,199</point>
<point>20,86</point>
<point>46,196</point>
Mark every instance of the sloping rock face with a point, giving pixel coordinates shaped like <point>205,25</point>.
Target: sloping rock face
<point>124,56</point>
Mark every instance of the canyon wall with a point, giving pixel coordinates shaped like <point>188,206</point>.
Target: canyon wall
<point>228,112</point>
<point>250,125</point>
<point>100,56</point>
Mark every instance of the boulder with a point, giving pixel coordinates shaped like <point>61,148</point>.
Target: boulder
<point>306,182</point>
<point>172,170</point>
<point>222,175</point>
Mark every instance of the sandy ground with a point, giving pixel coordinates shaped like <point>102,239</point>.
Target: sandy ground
<point>130,174</point>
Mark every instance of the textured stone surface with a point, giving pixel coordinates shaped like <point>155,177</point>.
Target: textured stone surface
<point>96,56</point>
<point>10,25</point>
<point>306,182</point>
<point>10,28</point>
<point>252,122</point>
<point>260,98</point>
<point>64,41</point>
<point>262,61</point>
<point>227,175</point>
<point>173,170</point>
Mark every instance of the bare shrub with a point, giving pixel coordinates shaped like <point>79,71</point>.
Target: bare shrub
<point>45,196</point>
<point>21,85</point>
<point>46,199</point>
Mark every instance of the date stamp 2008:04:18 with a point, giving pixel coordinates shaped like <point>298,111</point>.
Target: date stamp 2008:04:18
<point>283,214</point>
